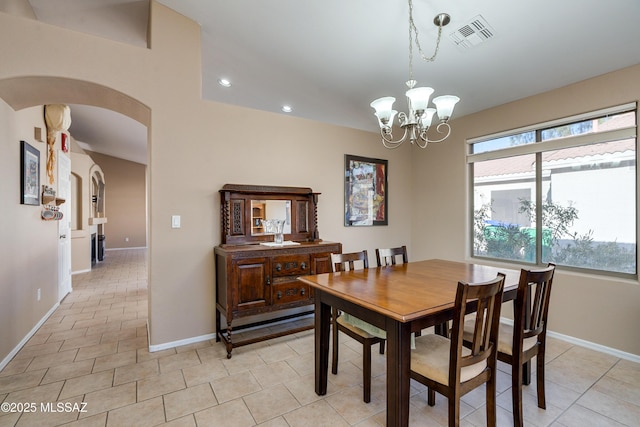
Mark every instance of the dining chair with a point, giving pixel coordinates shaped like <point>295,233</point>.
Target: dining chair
<point>518,344</point>
<point>387,256</point>
<point>365,334</point>
<point>445,366</point>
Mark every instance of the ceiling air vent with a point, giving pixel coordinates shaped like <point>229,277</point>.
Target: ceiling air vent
<point>475,32</point>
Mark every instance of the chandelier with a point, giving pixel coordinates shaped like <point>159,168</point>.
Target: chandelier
<point>418,121</point>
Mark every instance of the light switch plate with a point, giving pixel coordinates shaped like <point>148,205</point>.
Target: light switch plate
<point>175,221</point>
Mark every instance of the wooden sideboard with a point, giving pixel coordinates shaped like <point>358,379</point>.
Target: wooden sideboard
<point>253,275</point>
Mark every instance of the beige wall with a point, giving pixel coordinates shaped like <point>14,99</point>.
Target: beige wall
<point>81,165</point>
<point>29,247</point>
<point>126,201</point>
<point>598,309</point>
<point>220,144</point>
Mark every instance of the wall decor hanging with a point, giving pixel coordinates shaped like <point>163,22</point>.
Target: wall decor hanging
<point>29,174</point>
<point>365,191</point>
<point>58,119</point>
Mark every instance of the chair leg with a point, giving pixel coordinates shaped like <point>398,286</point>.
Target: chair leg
<point>540,380</point>
<point>366,371</point>
<point>526,373</point>
<point>491,400</point>
<point>516,393</point>
<point>454,411</point>
<point>334,359</point>
<point>431,397</point>
<point>382,347</point>
<point>442,329</point>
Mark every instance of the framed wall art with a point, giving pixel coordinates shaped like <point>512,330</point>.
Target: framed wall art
<point>30,174</point>
<point>365,191</point>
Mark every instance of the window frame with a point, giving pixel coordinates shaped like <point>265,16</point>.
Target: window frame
<point>539,147</point>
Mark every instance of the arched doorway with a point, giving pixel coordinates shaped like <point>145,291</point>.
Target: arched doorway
<point>33,91</point>
<point>23,92</point>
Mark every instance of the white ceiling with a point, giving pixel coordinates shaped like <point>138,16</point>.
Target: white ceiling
<point>329,59</point>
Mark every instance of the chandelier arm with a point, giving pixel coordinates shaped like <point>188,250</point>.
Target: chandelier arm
<point>389,142</point>
<point>423,134</point>
<point>419,141</point>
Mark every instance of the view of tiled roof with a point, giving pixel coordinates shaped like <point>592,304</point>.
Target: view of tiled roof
<point>526,163</point>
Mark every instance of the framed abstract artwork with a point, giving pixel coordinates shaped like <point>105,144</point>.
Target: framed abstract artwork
<point>30,174</point>
<point>365,191</point>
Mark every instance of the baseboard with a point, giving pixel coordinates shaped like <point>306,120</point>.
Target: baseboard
<point>27,337</point>
<point>165,346</point>
<point>158,347</point>
<point>588,344</point>
<point>124,249</point>
<point>73,273</point>
<point>597,347</point>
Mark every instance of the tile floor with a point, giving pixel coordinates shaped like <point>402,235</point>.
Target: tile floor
<point>91,355</point>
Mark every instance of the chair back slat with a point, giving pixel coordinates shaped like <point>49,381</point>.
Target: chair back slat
<point>387,256</point>
<point>340,262</point>
<point>485,307</point>
<point>488,296</point>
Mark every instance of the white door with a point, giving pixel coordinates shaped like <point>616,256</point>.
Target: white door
<point>64,225</point>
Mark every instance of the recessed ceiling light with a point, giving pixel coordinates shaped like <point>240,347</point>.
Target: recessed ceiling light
<point>224,82</point>
<point>287,108</point>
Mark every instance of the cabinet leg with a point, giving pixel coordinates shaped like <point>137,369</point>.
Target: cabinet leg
<point>217,326</point>
<point>228,340</point>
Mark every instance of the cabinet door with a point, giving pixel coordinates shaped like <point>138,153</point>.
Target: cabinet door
<point>321,263</point>
<point>252,283</point>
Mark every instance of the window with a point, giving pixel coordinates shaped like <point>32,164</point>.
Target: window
<point>562,192</point>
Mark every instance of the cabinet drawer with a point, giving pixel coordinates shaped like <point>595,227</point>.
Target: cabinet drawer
<point>285,293</point>
<point>291,265</point>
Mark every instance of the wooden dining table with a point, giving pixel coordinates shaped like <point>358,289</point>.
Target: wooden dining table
<point>400,299</point>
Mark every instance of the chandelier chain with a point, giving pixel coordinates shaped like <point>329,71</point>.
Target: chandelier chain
<point>414,30</point>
